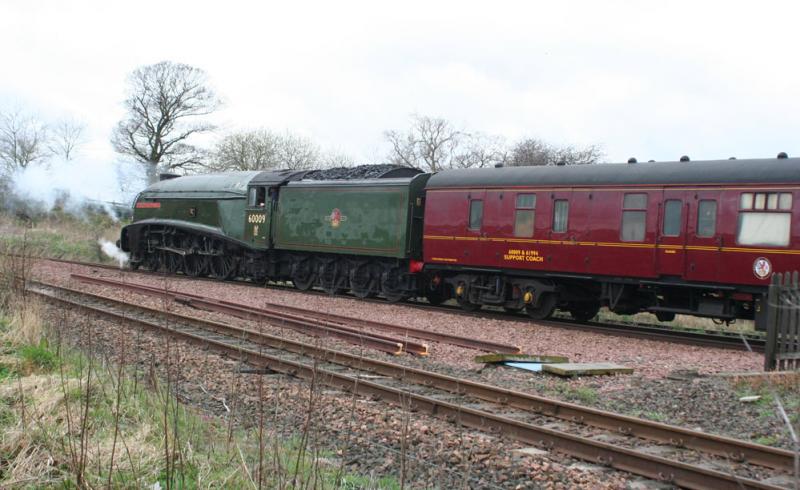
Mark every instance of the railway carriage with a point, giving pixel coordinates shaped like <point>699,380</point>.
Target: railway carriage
<point>696,238</point>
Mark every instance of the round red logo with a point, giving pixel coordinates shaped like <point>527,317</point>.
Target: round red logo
<point>336,218</point>
<point>762,267</point>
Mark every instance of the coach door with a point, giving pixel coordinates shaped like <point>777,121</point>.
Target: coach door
<point>671,234</point>
<point>473,243</point>
<point>703,238</point>
<point>257,216</point>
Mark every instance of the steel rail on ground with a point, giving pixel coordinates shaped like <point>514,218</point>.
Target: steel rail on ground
<point>640,330</point>
<point>683,474</point>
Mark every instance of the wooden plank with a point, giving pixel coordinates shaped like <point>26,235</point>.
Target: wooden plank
<point>772,326</point>
<point>497,358</point>
<point>586,369</point>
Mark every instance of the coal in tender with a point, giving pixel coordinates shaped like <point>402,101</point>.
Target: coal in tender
<point>352,173</point>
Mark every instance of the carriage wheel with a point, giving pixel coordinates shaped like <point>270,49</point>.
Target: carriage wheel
<point>547,304</point>
<point>391,287</point>
<point>584,311</point>
<point>362,281</point>
<point>330,277</point>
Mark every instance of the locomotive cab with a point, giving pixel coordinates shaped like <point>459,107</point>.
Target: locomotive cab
<point>261,202</point>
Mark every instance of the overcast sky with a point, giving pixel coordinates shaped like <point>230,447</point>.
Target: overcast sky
<point>646,79</point>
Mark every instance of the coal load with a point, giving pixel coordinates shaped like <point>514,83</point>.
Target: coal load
<point>353,173</point>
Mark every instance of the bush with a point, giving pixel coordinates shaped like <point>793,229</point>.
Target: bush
<point>38,357</point>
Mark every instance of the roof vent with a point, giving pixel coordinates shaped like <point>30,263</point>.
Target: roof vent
<point>685,158</point>
<point>631,160</point>
<point>167,176</point>
<point>731,158</point>
<point>651,161</point>
<point>782,155</point>
<point>499,165</point>
<point>561,163</point>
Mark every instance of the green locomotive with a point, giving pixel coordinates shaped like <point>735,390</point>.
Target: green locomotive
<point>314,228</point>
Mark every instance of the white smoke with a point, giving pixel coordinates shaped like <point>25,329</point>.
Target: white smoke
<point>75,186</point>
<point>113,251</point>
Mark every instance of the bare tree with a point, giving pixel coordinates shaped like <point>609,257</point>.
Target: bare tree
<point>23,141</point>
<point>263,149</point>
<point>479,150</point>
<point>298,152</point>
<point>533,152</point>
<point>246,150</point>
<point>65,137</point>
<point>430,143</point>
<point>333,159</point>
<point>165,105</point>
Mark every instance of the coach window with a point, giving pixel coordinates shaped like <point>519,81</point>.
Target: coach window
<point>706,218</point>
<point>475,214</point>
<point>560,215</point>
<point>524,215</point>
<point>764,218</point>
<point>672,217</point>
<point>634,217</point>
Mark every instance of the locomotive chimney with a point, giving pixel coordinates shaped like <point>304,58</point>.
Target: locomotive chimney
<point>632,160</point>
<point>685,158</point>
<point>782,155</point>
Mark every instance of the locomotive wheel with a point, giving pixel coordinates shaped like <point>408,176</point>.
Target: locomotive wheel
<point>303,276</point>
<point>194,265</point>
<point>665,316</point>
<point>173,263</point>
<point>152,261</point>
<point>547,304</point>
<point>362,281</point>
<point>584,311</point>
<point>222,266</point>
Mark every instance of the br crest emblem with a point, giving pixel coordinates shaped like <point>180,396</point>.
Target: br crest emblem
<point>336,218</point>
<point>762,268</point>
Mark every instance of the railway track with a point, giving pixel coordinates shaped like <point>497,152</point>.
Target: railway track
<point>658,451</point>
<point>718,339</point>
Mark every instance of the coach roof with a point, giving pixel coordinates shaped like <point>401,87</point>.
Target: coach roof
<point>754,171</point>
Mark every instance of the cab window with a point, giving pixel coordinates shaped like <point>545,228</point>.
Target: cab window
<point>764,219</point>
<point>257,196</point>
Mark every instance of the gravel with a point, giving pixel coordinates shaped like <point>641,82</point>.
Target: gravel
<point>363,435</point>
<point>705,401</point>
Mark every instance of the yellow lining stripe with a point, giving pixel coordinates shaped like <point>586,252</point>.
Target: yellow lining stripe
<point>619,245</point>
